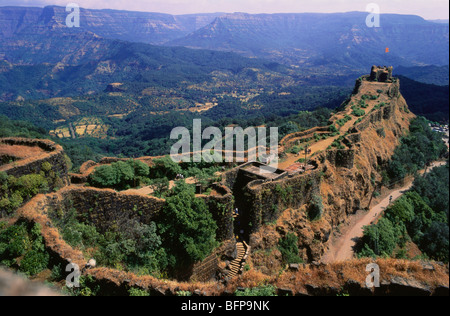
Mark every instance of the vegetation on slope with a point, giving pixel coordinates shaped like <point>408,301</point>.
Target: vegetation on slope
<point>10,128</point>
<point>22,248</point>
<point>16,191</point>
<point>184,234</point>
<point>421,147</point>
<point>421,216</point>
<point>428,100</point>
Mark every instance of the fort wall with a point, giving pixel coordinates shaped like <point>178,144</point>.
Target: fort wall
<point>287,140</point>
<point>268,199</point>
<point>342,275</point>
<point>52,153</point>
<point>221,206</point>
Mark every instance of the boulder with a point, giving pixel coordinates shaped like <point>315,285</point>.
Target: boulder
<point>354,288</point>
<point>408,287</point>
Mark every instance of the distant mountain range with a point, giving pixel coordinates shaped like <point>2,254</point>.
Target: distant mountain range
<point>40,35</point>
<point>150,28</point>
<point>338,43</point>
<point>40,57</point>
<point>326,39</point>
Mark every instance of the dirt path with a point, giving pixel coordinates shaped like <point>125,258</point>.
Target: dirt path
<point>342,249</point>
<point>148,190</point>
<point>322,145</point>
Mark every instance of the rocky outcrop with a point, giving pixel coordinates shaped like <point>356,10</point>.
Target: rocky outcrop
<point>115,87</point>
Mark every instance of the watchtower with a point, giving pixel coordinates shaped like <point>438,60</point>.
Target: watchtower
<point>381,74</point>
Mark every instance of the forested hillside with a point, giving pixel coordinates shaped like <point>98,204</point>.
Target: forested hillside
<point>422,215</point>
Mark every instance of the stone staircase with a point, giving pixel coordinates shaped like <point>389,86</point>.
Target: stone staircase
<point>237,265</point>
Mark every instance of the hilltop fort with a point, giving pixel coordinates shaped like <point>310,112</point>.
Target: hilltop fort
<point>310,195</point>
<point>381,74</point>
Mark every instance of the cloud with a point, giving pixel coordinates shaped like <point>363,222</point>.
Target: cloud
<point>429,9</point>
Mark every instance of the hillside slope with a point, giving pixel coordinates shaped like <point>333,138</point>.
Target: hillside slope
<point>427,100</point>
<point>426,74</point>
<point>348,180</point>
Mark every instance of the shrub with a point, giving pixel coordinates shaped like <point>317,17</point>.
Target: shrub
<point>288,247</point>
<point>315,210</point>
<point>137,292</point>
<point>30,185</point>
<point>21,241</point>
<point>359,112</point>
<point>295,149</point>
<point>333,128</point>
<point>46,167</point>
<point>34,262</point>
<point>381,132</point>
<point>268,290</point>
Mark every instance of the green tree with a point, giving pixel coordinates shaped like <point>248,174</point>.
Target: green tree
<point>402,210</point>
<point>436,241</point>
<point>187,226</point>
<point>104,177</point>
<point>119,175</point>
<point>380,239</point>
<point>288,247</point>
<point>165,168</point>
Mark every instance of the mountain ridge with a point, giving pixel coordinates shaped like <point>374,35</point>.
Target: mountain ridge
<point>275,35</point>
<point>146,27</point>
<point>331,42</point>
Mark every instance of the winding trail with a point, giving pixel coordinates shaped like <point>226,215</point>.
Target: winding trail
<point>343,248</point>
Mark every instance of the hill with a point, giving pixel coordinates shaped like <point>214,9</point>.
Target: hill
<point>326,39</point>
<point>145,27</point>
<point>427,74</point>
<point>67,66</point>
<point>426,100</point>
<point>339,43</point>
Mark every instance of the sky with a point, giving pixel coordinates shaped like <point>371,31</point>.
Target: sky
<point>428,9</point>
